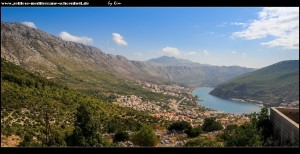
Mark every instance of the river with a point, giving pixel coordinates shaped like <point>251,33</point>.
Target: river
<point>228,106</point>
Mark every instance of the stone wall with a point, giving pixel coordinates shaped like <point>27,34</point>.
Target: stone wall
<point>284,128</point>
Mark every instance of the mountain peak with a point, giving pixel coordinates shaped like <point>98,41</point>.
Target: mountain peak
<point>171,61</point>
<point>164,58</point>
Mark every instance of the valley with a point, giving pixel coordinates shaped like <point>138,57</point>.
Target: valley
<point>48,85</point>
<point>26,98</point>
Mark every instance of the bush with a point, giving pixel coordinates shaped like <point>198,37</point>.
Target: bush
<point>210,124</point>
<point>202,142</point>
<point>145,137</point>
<point>56,139</point>
<point>180,126</point>
<point>121,136</point>
<point>193,132</point>
<point>263,124</point>
<point>28,141</point>
<point>244,135</point>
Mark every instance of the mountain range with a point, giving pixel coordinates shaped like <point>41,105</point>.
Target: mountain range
<point>86,67</point>
<point>274,85</point>
<point>83,66</point>
<point>194,74</point>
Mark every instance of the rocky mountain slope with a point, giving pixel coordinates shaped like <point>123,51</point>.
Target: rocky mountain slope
<point>194,74</point>
<point>51,56</point>
<point>85,67</point>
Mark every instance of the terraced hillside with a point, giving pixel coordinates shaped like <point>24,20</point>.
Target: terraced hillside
<point>26,99</point>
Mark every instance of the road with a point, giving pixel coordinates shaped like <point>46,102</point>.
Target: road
<point>177,104</point>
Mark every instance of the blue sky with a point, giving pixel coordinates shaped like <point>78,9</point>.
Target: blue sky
<point>246,36</point>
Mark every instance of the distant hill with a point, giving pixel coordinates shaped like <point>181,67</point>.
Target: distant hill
<point>274,85</point>
<point>171,61</point>
<point>193,74</point>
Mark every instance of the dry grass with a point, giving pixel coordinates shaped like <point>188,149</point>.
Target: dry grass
<point>10,141</point>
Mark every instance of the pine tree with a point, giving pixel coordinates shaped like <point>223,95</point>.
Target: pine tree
<point>86,132</point>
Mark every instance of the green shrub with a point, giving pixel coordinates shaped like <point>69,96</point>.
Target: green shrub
<point>121,136</point>
<point>56,139</point>
<point>145,137</point>
<point>179,126</point>
<point>202,142</point>
<point>210,124</point>
<point>27,141</point>
<point>193,132</point>
<point>244,135</point>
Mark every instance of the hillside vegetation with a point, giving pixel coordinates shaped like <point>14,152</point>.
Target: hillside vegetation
<point>28,100</point>
<point>273,85</point>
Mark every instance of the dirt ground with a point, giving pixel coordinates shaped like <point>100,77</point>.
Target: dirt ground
<point>10,141</point>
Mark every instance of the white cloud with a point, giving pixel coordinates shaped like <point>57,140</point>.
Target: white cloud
<point>29,24</point>
<point>289,41</point>
<point>119,39</point>
<point>79,39</point>
<point>233,52</point>
<point>206,52</point>
<point>239,24</point>
<point>244,54</point>
<point>280,23</point>
<point>171,51</point>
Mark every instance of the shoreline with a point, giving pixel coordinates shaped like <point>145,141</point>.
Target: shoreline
<point>234,100</point>
<point>185,108</point>
<point>256,102</point>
